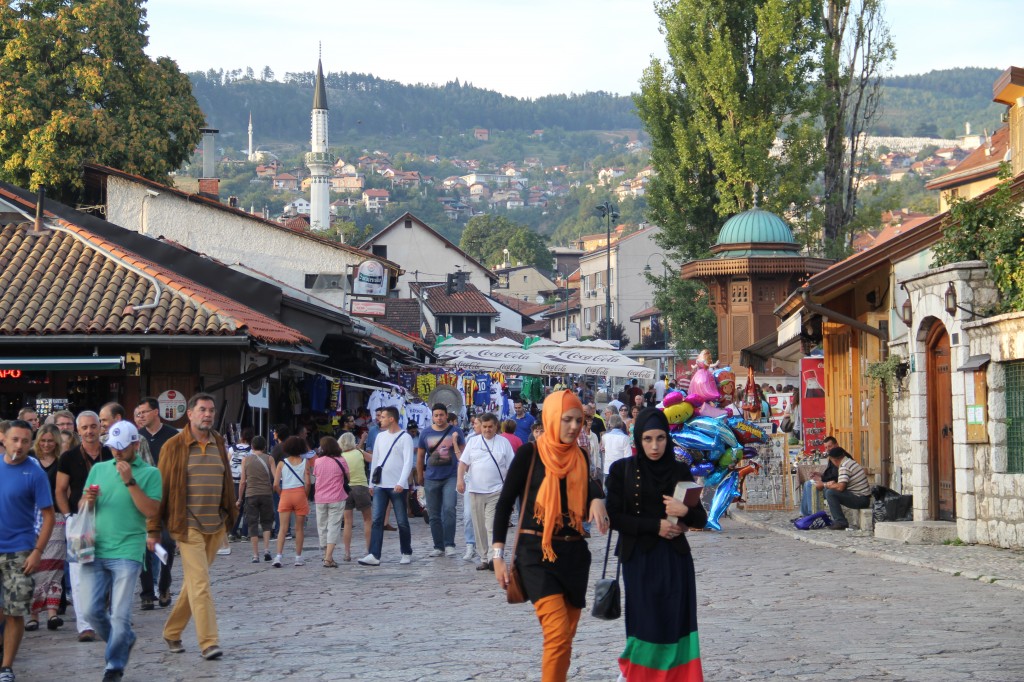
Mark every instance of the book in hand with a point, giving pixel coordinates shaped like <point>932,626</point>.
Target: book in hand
<point>687,492</point>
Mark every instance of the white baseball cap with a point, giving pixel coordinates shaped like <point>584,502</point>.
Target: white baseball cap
<point>121,435</point>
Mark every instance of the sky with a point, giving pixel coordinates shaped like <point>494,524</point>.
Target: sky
<point>525,48</point>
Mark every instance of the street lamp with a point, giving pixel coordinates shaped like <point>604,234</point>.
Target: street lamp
<point>647,270</point>
<point>609,213</point>
<point>565,283</point>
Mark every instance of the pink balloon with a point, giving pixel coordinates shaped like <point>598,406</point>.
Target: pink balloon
<point>694,400</point>
<point>671,398</point>
<point>703,384</point>
<point>709,410</point>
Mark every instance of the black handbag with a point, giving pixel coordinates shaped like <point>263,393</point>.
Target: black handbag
<point>607,596</point>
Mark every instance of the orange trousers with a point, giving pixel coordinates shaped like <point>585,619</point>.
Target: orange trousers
<point>558,620</point>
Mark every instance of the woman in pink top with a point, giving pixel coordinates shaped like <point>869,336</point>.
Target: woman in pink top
<point>331,471</point>
<point>508,428</point>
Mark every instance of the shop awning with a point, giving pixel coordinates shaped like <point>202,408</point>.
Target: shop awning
<point>591,358</point>
<point>58,364</point>
<point>975,362</point>
<point>759,353</point>
<point>301,352</point>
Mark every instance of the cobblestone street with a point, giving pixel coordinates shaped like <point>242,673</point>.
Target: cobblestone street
<point>771,608</point>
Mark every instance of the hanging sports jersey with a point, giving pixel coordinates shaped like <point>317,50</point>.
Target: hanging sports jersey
<point>482,397</point>
<point>425,384</point>
<point>419,413</point>
<point>469,388</point>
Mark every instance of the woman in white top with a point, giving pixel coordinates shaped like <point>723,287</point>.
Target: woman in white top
<point>487,457</point>
<point>615,444</point>
<point>291,482</point>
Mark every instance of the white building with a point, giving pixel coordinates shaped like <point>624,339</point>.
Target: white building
<point>630,291</point>
<point>425,254</point>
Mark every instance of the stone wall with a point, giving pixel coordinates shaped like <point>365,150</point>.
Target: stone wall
<point>998,495</point>
<point>901,478</point>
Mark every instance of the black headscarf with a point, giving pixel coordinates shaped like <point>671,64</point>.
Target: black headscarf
<point>657,475</point>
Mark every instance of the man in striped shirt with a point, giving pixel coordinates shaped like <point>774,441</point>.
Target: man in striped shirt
<point>850,490</point>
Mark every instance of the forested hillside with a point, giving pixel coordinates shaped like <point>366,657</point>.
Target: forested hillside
<point>371,109</point>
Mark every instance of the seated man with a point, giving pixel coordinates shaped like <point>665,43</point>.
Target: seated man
<point>818,481</point>
<point>851,489</point>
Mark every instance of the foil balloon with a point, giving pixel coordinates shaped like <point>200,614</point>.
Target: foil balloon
<point>696,440</point>
<point>743,472</point>
<point>702,469</point>
<point>730,457</point>
<point>703,385</point>
<point>682,454</point>
<point>671,398</point>
<point>727,490</point>
<point>718,372</point>
<point>750,452</point>
<point>710,410</point>
<point>715,427</point>
<point>747,433</point>
<point>694,399</point>
<point>677,413</point>
<point>716,477</point>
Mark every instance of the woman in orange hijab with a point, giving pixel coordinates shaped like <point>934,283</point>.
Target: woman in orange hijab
<point>552,555</point>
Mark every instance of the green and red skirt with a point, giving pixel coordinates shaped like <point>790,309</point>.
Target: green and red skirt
<point>661,617</point>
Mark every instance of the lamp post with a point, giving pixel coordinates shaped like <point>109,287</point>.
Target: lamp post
<point>647,270</point>
<point>609,213</point>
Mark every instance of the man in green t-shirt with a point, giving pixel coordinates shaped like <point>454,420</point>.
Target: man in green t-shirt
<point>124,493</point>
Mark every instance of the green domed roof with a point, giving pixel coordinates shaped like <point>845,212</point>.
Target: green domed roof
<point>753,226</point>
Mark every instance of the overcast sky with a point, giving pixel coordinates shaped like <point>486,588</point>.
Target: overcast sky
<point>526,48</point>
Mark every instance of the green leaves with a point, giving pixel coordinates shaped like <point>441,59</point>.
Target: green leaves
<point>76,86</point>
<point>487,236</point>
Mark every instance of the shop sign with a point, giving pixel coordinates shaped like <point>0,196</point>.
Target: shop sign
<point>371,279</point>
<point>172,405</point>
<point>10,373</point>
<point>374,308</point>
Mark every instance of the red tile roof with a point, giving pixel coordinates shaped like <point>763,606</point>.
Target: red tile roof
<point>980,163</point>
<point>522,307</point>
<point>645,313</point>
<point>440,302</point>
<point>61,283</point>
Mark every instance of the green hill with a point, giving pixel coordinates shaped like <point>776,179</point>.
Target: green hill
<point>938,103</point>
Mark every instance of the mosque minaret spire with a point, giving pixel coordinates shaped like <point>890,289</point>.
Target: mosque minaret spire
<point>319,160</point>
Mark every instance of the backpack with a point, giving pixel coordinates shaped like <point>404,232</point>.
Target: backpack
<point>815,521</point>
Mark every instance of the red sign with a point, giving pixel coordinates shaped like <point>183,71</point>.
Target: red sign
<point>369,308</point>
<point>10,373</point>
<point>812,403</point>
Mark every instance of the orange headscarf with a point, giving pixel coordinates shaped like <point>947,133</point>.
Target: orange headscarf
<point>561,460</point>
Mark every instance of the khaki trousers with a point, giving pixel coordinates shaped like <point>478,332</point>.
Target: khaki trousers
<point>481,507</point>
<point>558,620</point>
<point>197,554</point>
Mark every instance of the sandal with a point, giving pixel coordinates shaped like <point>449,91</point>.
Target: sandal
<point>330,563</point>
<point>348,557</point>
<point>31,625</point>
<point>54,623</point>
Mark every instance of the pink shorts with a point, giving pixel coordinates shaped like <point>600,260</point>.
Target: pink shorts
<point>294,500</point>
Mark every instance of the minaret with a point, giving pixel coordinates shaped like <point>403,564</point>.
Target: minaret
<point>250,136</point>
<point>319,160</point>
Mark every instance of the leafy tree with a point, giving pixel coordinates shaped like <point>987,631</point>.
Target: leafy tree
<point>487,236</point>
<point>616,332</point>
<point>856,49</point>
<point>989,228</point>
<point>77,86</point>
<point>692,324</point>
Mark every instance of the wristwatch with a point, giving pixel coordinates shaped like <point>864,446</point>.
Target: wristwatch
<point>130,483</point>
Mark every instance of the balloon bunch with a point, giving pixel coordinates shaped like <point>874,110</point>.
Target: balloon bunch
<point>709,434</point>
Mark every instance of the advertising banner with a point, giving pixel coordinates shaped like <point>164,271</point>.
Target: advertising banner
<point>812,403</point>
<point>371,279</point>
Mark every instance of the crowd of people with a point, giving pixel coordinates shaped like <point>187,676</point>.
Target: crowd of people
<point>154,495</point>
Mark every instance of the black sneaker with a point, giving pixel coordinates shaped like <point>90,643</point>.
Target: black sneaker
<point>113,675</point>
<point>6,675</point>
<point>267,557</point>
<point>147,605</point>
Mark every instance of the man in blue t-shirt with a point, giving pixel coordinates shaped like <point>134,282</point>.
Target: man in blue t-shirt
<point>524,420</point>
<point>24,488</point>
<point>437,467</point>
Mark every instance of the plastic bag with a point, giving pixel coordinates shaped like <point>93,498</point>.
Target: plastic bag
<point>82,535</point>
<point>815,521</point>
<point>889,505</point>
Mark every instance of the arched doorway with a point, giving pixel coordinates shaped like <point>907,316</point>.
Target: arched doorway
<point>940,425</point>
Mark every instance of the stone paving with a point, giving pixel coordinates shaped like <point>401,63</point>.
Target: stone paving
<point>771,608</point>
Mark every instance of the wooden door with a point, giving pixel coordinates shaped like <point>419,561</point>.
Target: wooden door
<point>940,426</point>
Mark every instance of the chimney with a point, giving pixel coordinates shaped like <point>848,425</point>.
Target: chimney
<point>209,183</point>
<point>233,202</point>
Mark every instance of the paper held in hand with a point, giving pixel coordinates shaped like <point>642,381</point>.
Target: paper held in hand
<point>688,493</point>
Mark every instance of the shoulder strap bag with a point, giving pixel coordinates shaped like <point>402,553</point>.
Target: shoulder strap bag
<point>496,461</point>
<point>344,475</point>
<point>514,593</point>
<point>607,596</point>
<point>378,473</point>
<point>285,462</point>
<point>430,459</point>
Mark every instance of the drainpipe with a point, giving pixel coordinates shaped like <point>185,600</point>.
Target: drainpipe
<point>883,337</point>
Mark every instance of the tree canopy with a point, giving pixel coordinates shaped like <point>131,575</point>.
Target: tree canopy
<point>487,236</point>
<point>76,86</point>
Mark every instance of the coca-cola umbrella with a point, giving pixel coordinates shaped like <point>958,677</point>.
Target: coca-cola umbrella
<point>482,355</point>
<point>591,358</point>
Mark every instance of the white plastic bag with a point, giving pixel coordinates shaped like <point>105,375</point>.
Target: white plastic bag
<point>82,535</point>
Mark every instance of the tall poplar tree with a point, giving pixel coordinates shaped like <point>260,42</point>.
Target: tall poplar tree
<point>731,115</point>
<point>76,86</point>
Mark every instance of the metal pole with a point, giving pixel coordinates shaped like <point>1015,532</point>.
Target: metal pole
<point>566,282</point>
<point>608,279</point>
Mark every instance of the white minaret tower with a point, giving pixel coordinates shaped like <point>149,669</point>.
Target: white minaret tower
<point>319,160</point>
<point>250,136</point>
